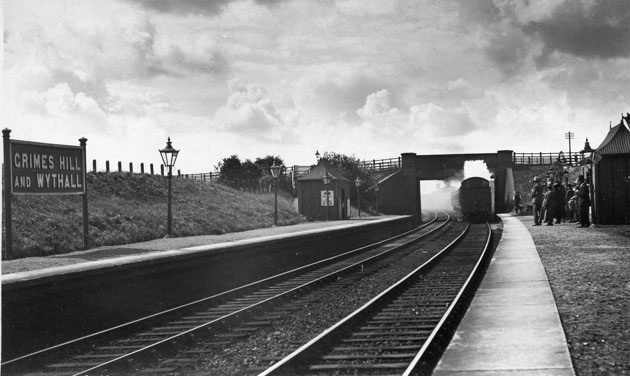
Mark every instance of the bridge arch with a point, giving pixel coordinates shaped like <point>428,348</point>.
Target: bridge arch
<point>399,193</point>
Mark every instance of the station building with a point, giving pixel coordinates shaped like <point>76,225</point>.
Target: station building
<point>314,187</point>
<point>610,174</point>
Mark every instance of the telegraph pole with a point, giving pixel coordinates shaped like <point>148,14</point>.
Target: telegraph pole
<point>569,136</point>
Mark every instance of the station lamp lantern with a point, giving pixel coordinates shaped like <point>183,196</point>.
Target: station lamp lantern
<point>169,156</point>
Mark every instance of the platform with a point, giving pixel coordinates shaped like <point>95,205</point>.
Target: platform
<point>512,326</point>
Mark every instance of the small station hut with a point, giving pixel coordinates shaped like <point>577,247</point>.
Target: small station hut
<point>312,193</point>
<point>611,174</point>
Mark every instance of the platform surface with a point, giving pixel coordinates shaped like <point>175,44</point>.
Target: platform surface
<point>512,326</point>
<point>152,248</point>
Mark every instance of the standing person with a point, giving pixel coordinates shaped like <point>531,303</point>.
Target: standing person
<point>517,202</point>
<point>549,205</point>
<point>558,201</point>
<point>537,200</point>
<point>584,202</point>
<point>570,206</point>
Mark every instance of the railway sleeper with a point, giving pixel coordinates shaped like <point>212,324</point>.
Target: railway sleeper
<point>383,340</point>
<point>398,327</point>
<point>369,357</point>
<point>342,366</point>
<point>377,349</point>
<point>159,371</point>
<point>389,333</point>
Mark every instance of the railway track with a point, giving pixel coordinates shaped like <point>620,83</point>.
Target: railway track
<point>392,333</point>
<point>105,352</point>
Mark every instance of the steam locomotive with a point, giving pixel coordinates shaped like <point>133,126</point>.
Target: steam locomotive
<point>474,199</point>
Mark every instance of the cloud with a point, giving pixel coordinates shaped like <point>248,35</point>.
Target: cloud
<point>198,7</point>
<point>480,12</point>
<point>507,49</point>
<point>437,121</point>
<point>195,7</point>
<point>592,30</point>
<point>249,109</point>
<point>183,58</point>
<point>336,92</point>
<point>377,104</point>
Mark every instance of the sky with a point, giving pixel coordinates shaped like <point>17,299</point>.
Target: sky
<point>369,79</point>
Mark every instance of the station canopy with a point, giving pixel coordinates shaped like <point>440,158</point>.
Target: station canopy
<point>318,171</point>
<point>617,141</point>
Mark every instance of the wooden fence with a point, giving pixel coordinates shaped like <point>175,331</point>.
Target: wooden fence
<point>546,158</point>
<point>371,165</point>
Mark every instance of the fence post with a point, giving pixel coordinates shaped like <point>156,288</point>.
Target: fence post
<point>106,166</point>
<point>151,166</point>
<point>142,168</point>
<point>119,166</point>
<point>162,169</point>
<point>130,167</point>
<point>94,165</point>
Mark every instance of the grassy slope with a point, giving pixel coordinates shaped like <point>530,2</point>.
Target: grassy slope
<point>127,208</point>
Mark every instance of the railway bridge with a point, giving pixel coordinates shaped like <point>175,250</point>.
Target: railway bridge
<point>399,193</point>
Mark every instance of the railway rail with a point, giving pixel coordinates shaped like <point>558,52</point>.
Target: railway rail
<point>104,352</point>
<point>393,332</point>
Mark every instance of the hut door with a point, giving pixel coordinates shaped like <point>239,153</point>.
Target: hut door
<point>342,204</point>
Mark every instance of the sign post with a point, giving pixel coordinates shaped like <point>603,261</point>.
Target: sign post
<point>33,168</point>
<point>86,231</point>
<point>8,249</point>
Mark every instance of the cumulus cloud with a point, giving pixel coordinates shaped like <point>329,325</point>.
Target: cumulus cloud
<point>249,109</point>
<point>337,92</point>
<point>442,122</point>
<point>60,101</point>
<point>377,104</point>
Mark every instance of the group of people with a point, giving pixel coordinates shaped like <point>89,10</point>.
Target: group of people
<point>555,202</point>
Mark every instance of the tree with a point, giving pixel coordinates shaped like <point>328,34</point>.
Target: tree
<point>250,171</point>
<point>350,167</point>
<point>265,163</point>
<point>230,168</point>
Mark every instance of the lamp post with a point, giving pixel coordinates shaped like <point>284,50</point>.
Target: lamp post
<point>327,178</point>
<point>358,184</point>
<point>169,156</point>
<point>376,190</point>
<point>588,154</point>
<point>587,160</point>
<point>275,173</point>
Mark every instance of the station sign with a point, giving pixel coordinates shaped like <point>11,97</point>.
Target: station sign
<point>40,169</point>
<point>331,198</point>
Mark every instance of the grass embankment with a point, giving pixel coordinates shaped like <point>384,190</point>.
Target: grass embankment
<point>128,208</point>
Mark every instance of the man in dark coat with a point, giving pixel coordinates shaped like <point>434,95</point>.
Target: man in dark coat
<point>559,212</point>
<point>570,207</point>
<point>537,200</point>
<point>549,204</point>
<point>584,202</point>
